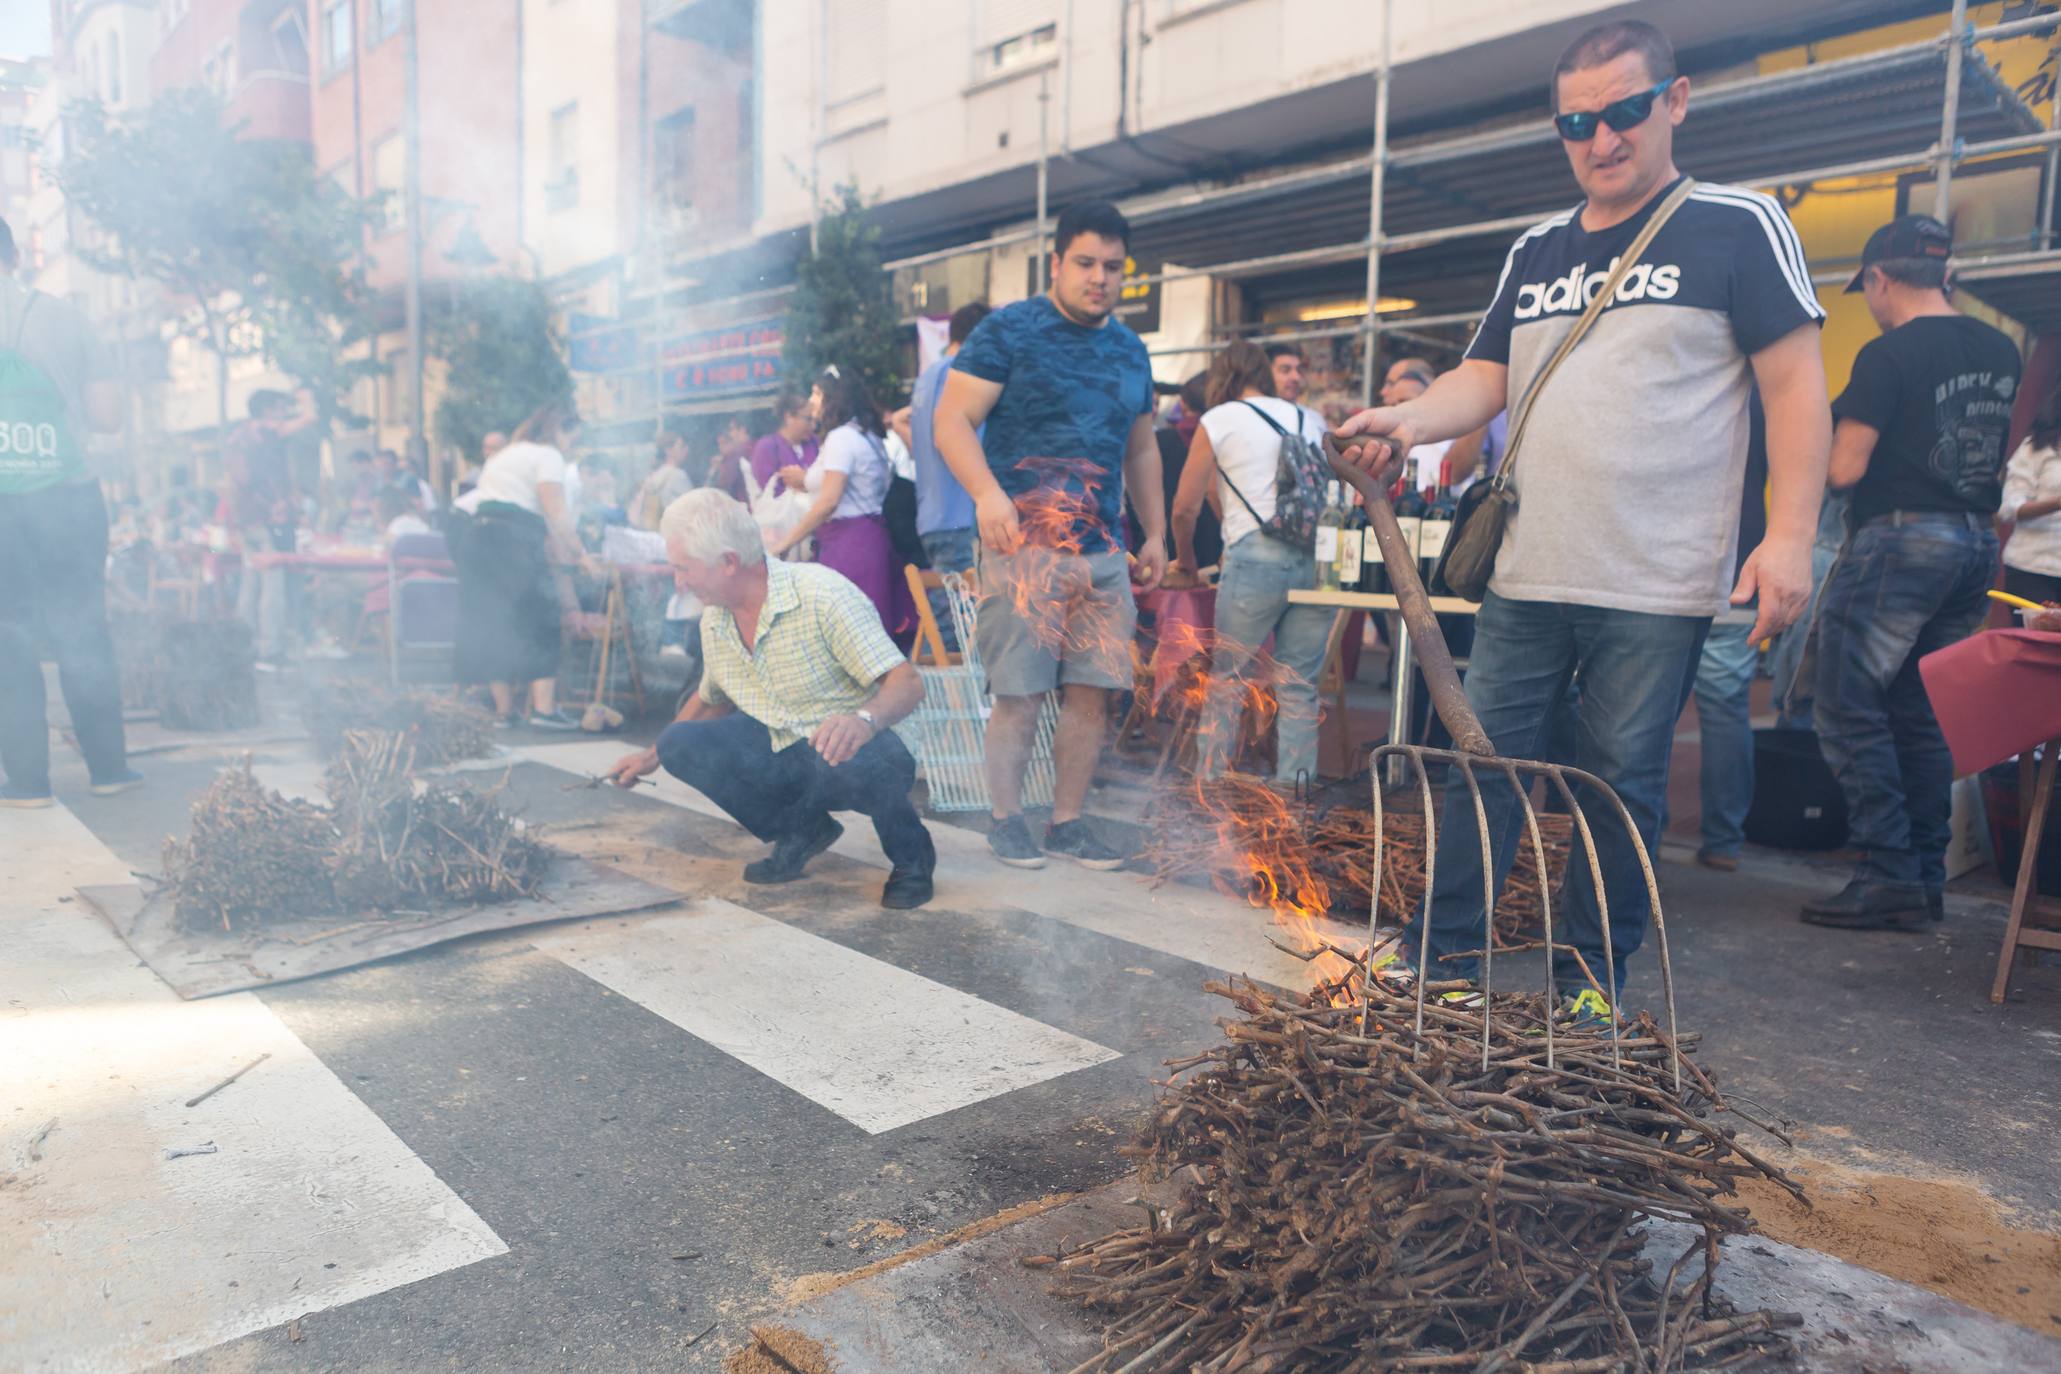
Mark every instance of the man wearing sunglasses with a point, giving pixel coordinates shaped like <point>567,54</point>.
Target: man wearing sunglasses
<point>1629,475</point>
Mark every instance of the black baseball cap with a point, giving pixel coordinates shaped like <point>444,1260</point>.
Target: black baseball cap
<point>1906,236</point>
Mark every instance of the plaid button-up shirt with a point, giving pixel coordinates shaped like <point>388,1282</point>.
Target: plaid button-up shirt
<point>820,649</point>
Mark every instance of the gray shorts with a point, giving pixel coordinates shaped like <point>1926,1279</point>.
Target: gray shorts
<point>1049,619</point>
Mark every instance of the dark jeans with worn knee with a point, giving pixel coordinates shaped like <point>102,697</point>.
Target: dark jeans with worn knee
<point>1635,673</point>
<point>776,793</point>
<point>53,571</point>
<point>1906,584</point>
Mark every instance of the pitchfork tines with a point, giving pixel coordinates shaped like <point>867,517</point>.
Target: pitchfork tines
<point>1472,751</point>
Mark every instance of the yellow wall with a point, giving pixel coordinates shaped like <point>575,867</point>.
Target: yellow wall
<point>1834,218</point>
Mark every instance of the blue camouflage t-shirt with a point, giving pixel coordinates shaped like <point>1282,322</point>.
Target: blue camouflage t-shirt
<point>1055,440</point>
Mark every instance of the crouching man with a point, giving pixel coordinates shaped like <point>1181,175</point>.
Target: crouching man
<point>798,688</point>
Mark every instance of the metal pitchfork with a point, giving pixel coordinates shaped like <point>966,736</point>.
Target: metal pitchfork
<point>1472,749</point>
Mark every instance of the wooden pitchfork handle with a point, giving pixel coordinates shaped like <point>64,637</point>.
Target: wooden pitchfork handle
<point>1448,697</point>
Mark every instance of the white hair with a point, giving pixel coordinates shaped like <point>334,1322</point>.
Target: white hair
<point>705,524</point>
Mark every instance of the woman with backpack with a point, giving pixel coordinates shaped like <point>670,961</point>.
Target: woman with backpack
<point>849,482</point>
<point>1242,463</point>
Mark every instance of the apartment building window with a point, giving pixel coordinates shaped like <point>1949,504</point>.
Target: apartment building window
<point>389,179</point>
<point>290,44</point>
<point>384,20</point>
<point>1013,33</point>
<point>336,36</point>
<point>672,168</point>
<point>114,69</point>
<point>562,188</point>
<point>856,31</point>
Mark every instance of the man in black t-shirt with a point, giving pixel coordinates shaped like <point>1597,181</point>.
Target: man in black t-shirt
<point>1920,438</point>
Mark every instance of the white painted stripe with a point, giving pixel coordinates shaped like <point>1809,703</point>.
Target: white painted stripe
<point>113,1257</point>
<point>1510,261</point>
<point>1781,236</point>
<point>876,1044</point>
<point>1196,924</point>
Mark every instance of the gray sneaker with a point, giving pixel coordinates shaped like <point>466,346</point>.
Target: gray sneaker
<point>1075,840</point>
<point>1011,840</point>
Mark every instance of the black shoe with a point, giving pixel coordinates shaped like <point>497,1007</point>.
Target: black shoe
<point>1935,906</point>
<point>1075,840</point>
<point>907,887</point>
<point>1865,904</point>
<point>791,855</point>
<point>1011,840</point>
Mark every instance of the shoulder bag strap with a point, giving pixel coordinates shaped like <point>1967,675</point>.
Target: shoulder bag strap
<point>1625,264</point>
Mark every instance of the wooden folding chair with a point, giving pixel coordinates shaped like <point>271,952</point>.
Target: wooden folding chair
<point>929,649</point>
<point>2035,798</point>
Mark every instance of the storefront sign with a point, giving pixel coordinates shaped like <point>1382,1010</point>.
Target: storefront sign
<point>710,362</point>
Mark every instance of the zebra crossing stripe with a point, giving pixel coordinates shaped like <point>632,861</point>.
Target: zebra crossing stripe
<point>115,1257</point>
<point>878,1045</point>
<point>1195,924</point>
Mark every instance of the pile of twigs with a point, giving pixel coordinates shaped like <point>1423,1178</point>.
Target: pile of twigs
<point>252,856</point>
<point>389,845</point>
<point>1378,1199</point>
<point>445,729</point>
<point>406,844</point>
<point>207,676</point>
<point>1250,836</point>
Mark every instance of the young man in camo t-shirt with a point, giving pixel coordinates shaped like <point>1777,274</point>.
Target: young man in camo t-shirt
<point>1064,390</point>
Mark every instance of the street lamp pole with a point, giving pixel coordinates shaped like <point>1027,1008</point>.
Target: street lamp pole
<point>418,446</point>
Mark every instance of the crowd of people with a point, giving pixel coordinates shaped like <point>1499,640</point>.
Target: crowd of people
<point>1648,371</point>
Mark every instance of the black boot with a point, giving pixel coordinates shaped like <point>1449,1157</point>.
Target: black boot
<point>908,887</point>
<point>791,854</point>
<point>1866,904</point>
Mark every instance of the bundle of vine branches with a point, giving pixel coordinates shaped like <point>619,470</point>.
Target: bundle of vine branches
<point>1379,1200</point>
<point>388,844</point>
<point>445,729</point>
<point>1243,831</point>
<point>251,856</point>
<point>206,675</point>
<point>403,843</point>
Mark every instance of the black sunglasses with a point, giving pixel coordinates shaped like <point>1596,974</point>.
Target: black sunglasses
<point>1620,115</point>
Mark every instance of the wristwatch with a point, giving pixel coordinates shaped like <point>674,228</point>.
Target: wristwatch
<point>871,724</point>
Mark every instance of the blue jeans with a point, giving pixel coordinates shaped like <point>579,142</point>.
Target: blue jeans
<point>948,551</point>
<point>1724,687</point>
<point>1252,603</point>
<point>1905,584</point>
<point>1786,660</point>
<point>731,761</point>
<point>1635,672</point>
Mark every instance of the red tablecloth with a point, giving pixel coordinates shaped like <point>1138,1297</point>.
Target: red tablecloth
<point>1180,615</point>
<point>1996,694</point>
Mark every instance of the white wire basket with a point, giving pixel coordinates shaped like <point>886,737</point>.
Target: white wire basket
<point>948,732</point>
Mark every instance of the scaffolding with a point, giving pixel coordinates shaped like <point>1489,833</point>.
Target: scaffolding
<point>1416,210</point>
<point>1850,117</point>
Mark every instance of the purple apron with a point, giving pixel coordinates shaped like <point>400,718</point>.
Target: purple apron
<point>859,547</point>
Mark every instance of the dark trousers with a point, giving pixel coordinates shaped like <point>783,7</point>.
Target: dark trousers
<point>1905,584</point>
<point>1635,670</point>
<point>731,761</point>
<point>2031,585</point>
<point>53,591</point>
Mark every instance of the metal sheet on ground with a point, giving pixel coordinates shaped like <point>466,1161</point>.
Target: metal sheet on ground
<point>202,965</point>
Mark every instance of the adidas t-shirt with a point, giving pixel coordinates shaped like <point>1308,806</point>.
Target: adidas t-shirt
<point>1634,456</point>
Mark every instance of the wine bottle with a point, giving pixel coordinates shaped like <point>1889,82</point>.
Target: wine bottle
<point>1351,541</point>
<point>1329,522</point>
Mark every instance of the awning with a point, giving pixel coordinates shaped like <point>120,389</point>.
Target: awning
<point>1749,132</point>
